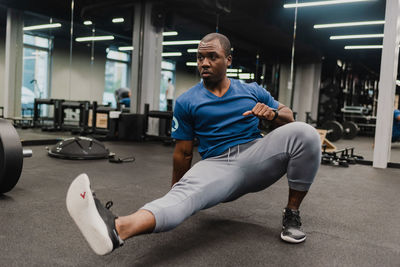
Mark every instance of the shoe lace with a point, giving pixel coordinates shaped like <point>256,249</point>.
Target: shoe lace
<point>291,218</point>
<point>109,204</point>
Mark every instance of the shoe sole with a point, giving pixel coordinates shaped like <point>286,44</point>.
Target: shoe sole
<point>292,240</point>
<point>82,209</point>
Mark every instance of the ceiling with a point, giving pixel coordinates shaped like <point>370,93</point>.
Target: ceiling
<point>254,26</point>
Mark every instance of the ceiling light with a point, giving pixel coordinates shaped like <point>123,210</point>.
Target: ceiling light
<point>363,47</point>
<point>192,50</point>
<point>397,82</point>
<point>94,38</point>
<point>125,48</point>
<point>233,70</point>
<point>169,33</point>
<point>181,42</point>
<point>349,24</point>
<point>87,22</point>
<point>117,20</point>
<point>322,3</point>
<point>231,75</point>
<point>192,64</point>
<point>42,26</point>
<point>246,76</point>
<point>171,54</point>
<point>356,36</point>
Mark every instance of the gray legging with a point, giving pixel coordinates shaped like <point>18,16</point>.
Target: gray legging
<point>293,149</point>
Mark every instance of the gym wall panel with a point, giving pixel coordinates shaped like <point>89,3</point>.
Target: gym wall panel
<point>2,61</point>
<point>87,81</point>
<point>284,75</point>
<point>306,90</point>
<point>185,80</point>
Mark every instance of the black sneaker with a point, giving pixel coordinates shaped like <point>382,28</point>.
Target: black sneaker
<point>95,221</point>
<point>291,227</point>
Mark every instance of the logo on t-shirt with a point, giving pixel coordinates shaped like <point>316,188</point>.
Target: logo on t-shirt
<point>175,124</point>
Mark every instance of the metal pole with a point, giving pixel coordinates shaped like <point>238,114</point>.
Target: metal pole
<point>290,84</point>
<point>141,48</point>
<point>70,48</point>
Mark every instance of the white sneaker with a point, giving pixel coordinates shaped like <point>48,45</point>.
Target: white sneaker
<point>96,222</point>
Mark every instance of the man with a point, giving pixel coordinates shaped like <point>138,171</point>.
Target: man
<point>223,114</point>
<point>125,100</point>
<point>170,94</point>
<point>396,126</point>
<point>122,96</point>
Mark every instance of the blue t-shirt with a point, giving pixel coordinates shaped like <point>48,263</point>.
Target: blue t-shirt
<point>396,124</point>
<point>126,102</point>
<point>218,122</point>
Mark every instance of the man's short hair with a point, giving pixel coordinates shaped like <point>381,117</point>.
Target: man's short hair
<point>223,40</point>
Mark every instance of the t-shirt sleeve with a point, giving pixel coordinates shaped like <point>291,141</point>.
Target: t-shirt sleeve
<point>265,97</point>
<point>182,123</point>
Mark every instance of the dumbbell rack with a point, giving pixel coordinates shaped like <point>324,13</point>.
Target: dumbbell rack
<point>340,158</point>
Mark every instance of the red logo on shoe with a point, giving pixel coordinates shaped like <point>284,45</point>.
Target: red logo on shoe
<point>83,195</point>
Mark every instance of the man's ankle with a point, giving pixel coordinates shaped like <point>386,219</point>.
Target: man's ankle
<point>119,228</point>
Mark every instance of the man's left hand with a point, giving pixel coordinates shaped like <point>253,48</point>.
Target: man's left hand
<point>261,111</point>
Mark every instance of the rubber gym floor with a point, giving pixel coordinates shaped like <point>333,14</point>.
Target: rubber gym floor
<point>350,215</point>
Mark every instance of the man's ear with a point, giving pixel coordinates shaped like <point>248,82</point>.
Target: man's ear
<point>229,60</point>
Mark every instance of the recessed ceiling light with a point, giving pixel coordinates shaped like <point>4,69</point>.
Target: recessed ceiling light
<point>181,42</point>
<point>125,48</point>
<point>42,26</point>
<point>94,38</point>
<point>192,50</point>
<point>192,64</point>
<point>356,36</point>
<point>233,70</point>
<point>322,3</point>
<point>363,47</point>
<point>169,33</point>
<point>171,54</point>
<point>118,20</point>
<point>349,24</point>
<point>246,76</point>
<point>87,22</point>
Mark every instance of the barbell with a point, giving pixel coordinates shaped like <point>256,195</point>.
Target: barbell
<point>11,156</point>
<point>335,130</point>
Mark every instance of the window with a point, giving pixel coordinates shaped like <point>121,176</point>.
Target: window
<point>167,71</point>
<point>116,76</point>
<point>35,72</point>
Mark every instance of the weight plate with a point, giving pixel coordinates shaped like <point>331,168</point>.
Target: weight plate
<point>11,158</point>
<point>334,130</point>
<point>350,129</point>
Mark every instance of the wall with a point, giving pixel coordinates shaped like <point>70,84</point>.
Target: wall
<point>2,62</point>
<point>306,89</point>
<point>186,77</point>
<point>284,74</point>
<point>87,81</point>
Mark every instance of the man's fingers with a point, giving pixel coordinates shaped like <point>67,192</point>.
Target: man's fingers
<point>257,108</point>
<point>260,110</point>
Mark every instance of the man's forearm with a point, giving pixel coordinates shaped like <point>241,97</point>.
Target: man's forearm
<point>181,165</point>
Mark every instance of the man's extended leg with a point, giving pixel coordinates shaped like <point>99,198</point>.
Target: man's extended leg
<point>206,184</point>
